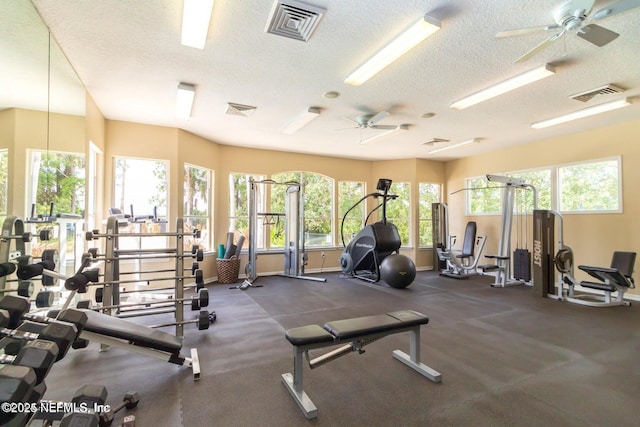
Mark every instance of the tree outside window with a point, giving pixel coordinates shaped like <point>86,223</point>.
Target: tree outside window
<point>197,204</point>
<point>398,210</point>
<point>590,187</point>
<point>350,192</point>
<point>427,195</point>
<point>239,191</point>
<point>318,207</point>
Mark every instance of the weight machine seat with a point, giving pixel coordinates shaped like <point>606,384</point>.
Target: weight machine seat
<point>469,242</point>
<point>618,276</point>
<point>139,335</point>
<point>358,327</point>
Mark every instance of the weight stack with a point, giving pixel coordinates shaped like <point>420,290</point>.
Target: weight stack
<point>522,265</point>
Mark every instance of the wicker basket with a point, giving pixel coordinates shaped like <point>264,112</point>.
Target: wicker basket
<point>228,270</point>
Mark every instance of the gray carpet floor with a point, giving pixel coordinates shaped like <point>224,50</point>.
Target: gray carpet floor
<point>507,358</point>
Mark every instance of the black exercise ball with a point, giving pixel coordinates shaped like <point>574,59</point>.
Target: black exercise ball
<point>398,271</point>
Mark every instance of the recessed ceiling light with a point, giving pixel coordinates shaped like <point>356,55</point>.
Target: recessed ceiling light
<point>332,94</point>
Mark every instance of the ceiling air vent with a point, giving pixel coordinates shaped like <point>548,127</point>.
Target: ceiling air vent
<point>293,19</point>
<point>434,141</point>
<point>240,110</point>
<point>603,90</point>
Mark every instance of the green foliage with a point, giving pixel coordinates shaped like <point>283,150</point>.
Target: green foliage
<point>398,210</point>
<point>141,183</point>
<point>350,192</point>
<point>482,197</point>
<point>541,180</point>
<point>427,195</point>
<point>60,180</point>
<point>318,207</point>
<point>589,187</point>
<point>197,185</point>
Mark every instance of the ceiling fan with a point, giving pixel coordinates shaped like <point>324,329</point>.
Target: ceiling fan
<point>369,121</point>
<point>573,16</point>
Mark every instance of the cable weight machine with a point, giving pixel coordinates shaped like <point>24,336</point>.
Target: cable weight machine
<point>295,256</point>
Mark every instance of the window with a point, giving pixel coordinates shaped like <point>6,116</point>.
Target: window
<point>398,210</point>
<point>318,208</point>
<point>349,192</point>
<point>541,180</point>
<point>197,205</point>
<point>141,189</point>
<point>239,191</point>
<point>427,194</point>
<point>590,187</point>
<point>4,183</point>
<point>57,178</point>
<point>482,197</point>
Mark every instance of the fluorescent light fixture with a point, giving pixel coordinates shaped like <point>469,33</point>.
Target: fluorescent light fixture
<point>184,100</point>
<point>508,85</point>
<point>585,112</point>
<point>302,120</point>
<point>419,31</point>
<point>196,15</point>
<point>449,147</point>
<point>380,135</point>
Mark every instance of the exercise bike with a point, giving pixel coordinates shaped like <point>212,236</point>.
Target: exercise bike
<point>374,252</point>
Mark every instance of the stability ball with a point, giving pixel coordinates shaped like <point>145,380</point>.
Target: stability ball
<point>398,271</point>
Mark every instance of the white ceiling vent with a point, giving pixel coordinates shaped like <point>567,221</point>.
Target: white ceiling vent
<point>240,109</point>
<point>434,141</point>
<point>293,19</point>
<point>603,90</point>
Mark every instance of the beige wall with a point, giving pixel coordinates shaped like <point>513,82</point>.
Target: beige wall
<point>27,129</point>
<point>593,237</point>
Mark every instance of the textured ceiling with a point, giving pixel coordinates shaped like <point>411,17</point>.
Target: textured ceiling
<point>129,56</point>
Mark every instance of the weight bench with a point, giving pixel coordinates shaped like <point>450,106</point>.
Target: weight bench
<point>115,332</point>
<point>356,333</point>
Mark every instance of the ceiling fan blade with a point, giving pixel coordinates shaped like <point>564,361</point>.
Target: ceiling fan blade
<point>382,126</point>
<point>522,31</point>
<point>539,47</point>
<point>616,8</point>
<point>597,35</point>
<point>376,118</point>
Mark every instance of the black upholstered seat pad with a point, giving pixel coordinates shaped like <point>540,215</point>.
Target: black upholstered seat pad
<point>136,334</point>
<point>309,334</point>
<point>359,326</point>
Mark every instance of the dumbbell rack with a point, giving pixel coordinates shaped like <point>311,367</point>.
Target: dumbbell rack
<point>113,255</point>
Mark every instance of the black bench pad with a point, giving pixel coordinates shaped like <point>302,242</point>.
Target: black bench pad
<point>354,328</point>
<point>350,328</point>
<point>140,335</point>
<point>310,334</point>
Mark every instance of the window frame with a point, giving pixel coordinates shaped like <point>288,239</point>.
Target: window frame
<point>427,215</point>
<point>207,232</point>
<point>620,209</point>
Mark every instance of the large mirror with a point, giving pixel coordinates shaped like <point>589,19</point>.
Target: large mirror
<point>43,142</point>
<point>42,101</point>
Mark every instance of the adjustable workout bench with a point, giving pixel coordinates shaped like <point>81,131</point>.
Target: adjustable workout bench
<point>115,332</point>
<point>357,333</point>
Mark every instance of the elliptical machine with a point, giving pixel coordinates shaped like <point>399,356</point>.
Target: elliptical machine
<point>374,252</point>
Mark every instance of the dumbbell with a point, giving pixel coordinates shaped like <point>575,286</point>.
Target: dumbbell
<point>79,281</point>
<point>39,355</point>
<point>16,385</point>
<point>129,401</point>
<point>25,237</point>
<point>203,321</point>
<point>61,333</point>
